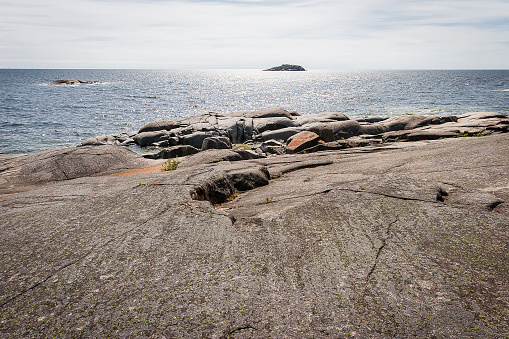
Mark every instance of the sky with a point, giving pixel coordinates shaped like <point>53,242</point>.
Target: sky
<point>255,34</point>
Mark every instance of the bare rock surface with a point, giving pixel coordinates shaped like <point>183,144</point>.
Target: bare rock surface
<point>281,125</point>
<point>23,171</point>
<point>383,241</point>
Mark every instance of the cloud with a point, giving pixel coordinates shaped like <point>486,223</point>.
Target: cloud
<point>254,33</point>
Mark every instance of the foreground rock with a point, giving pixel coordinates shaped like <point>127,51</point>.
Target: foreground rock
<point>408,242</point>
<point>26,171</point>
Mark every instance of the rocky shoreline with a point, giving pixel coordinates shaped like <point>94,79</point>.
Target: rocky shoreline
<point>278,131</point>
<point>269,225</point>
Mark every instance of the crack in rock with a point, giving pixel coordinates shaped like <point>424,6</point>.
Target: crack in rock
<point>80,258</point>
<point>380,249</point>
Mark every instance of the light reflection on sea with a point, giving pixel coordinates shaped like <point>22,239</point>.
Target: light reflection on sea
<point>35,116</point>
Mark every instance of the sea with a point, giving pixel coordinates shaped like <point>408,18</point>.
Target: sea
<point>36,116</point>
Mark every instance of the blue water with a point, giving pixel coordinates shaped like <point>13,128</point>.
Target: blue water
<point>35,116</point>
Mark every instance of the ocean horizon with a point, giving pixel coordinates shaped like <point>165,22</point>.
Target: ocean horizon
<point>36,116</point>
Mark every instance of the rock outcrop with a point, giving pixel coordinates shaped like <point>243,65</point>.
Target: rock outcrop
<point>333,128</point>
<point>398,240</point>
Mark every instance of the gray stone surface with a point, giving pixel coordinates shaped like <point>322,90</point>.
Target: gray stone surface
<point>177,151</point>
<point>216,143</point>
<point>28,170</point>
<point>280,124</point>
<point>395,241</point>
<point>110,139</point>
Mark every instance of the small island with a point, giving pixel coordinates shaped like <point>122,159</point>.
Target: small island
<point>286,67</point>
<point>72,82</point>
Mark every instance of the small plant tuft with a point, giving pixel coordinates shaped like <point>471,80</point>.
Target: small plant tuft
<point>170,165</point>
<point>268,201</point>
<point>142,184</point>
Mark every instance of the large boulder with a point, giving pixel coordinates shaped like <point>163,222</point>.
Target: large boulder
<point>238,130</point>
<point>216,143</point>
<point>400,122</point>
<point>301,141</point>
<point>269,124</point>
<point>336,130</point>
<point>281,134</point>
<point>196,139</point>
<point>161,124</point>
<point>177,151</point>
<point>148,138</point>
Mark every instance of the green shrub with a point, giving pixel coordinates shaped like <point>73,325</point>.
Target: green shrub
<point>170,165</point>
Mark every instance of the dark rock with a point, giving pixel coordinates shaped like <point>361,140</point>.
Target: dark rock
<point>272,146</point>
<point>247,179</point>
<point>196,139</point>
<point>336,130</point>
<point>238,130</point>
<point>372,129</point>
<point>149,138</point>
<point>302,141</point>
<point>216,143</point>
<point>158,125</point>
<point>177,151</point>
<point>431,134</point>
<point>172,141</point>
<point>281,134</point>
<point>265,124</point>
<point>286,67</point>
<point>371,120</point>
<point>328,146</point>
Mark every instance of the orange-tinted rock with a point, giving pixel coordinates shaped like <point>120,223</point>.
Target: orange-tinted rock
<point>301,141</point>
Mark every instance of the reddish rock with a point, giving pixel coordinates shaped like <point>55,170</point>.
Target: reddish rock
<point>301,141</point>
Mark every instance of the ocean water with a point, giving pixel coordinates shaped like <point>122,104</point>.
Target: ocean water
<point>35,116</point>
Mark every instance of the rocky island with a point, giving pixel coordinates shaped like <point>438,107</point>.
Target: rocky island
<point>267,224</point>
<point>72,82</point>
<point>286,67</point>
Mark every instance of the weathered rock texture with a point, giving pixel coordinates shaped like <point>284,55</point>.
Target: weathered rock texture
<point>333,128</point>
<point>382,241</point>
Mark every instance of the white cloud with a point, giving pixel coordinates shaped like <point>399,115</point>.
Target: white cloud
<point>254,33</point>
